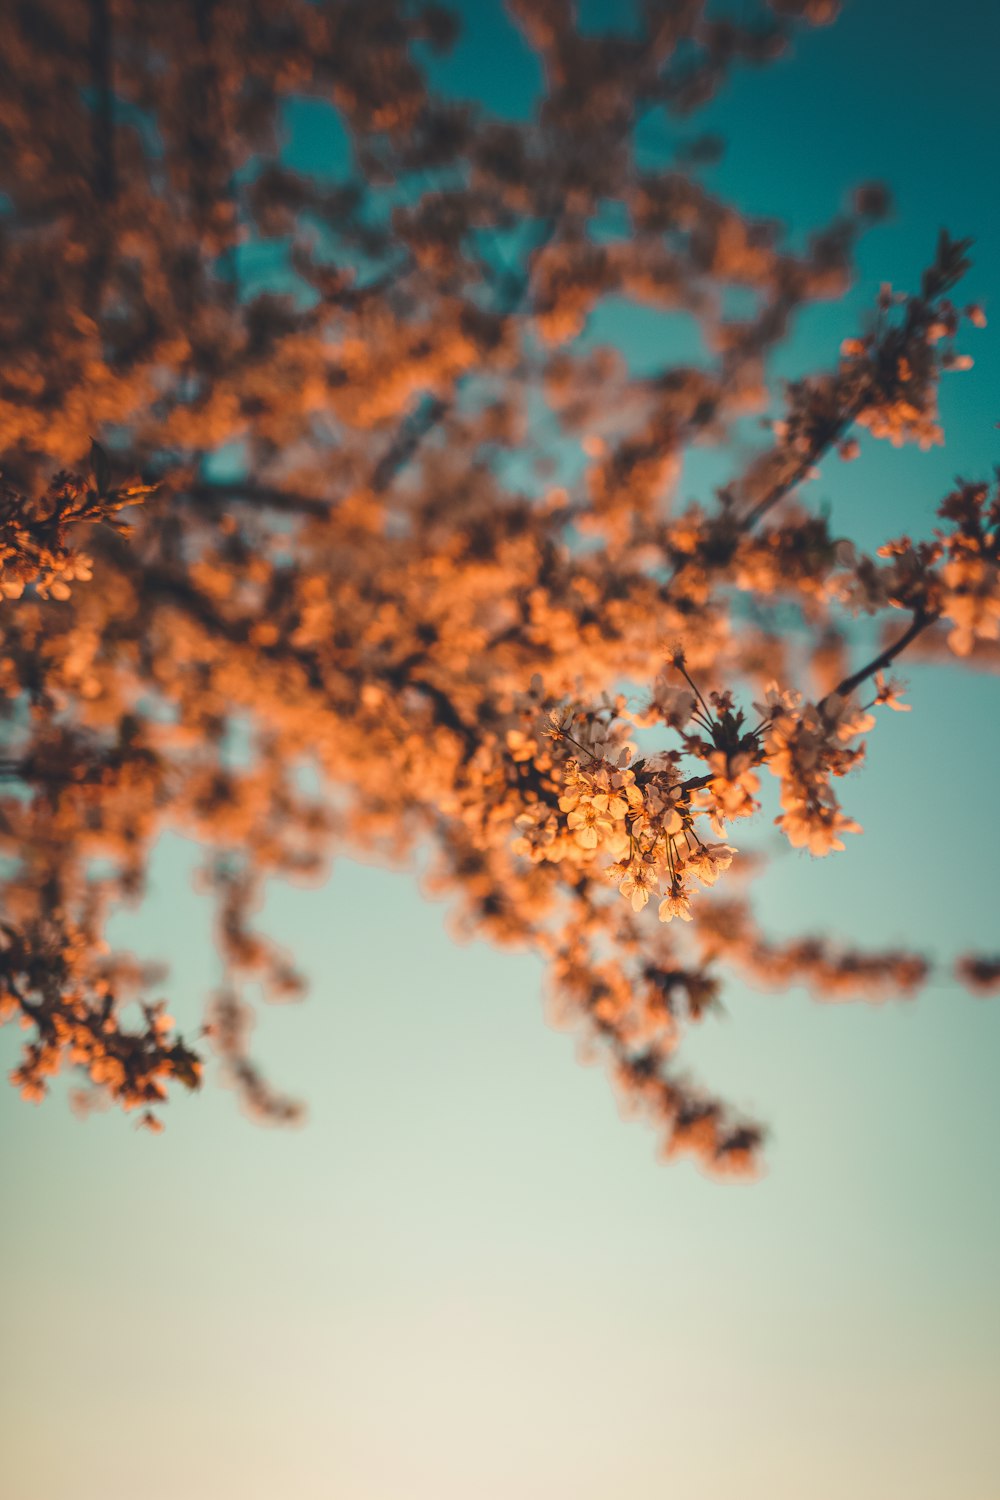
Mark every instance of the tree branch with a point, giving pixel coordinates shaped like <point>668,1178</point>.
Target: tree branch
<point>921,620</point>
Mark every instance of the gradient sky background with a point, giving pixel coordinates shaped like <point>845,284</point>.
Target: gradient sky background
<point>466,1278</point>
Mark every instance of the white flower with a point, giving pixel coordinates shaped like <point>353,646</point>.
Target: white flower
<point>709,860</point>
<point>676,904</point>
<point>638,882</point>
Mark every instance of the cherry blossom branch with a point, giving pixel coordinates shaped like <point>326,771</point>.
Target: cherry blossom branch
<point>435,410</point>
<point>273,497</point>
<point>785,486</point>
<point>921,620</point>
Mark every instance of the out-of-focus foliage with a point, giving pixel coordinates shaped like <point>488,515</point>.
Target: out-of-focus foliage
<point>448,538</point>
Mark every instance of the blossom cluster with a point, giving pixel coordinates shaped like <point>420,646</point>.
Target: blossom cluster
<point>406,536</point>
<point>34,532</point>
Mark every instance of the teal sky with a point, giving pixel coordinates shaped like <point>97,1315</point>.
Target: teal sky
<point>466,1278</point>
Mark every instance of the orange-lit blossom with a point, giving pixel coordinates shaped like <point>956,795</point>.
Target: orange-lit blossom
<point>408,564</point>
